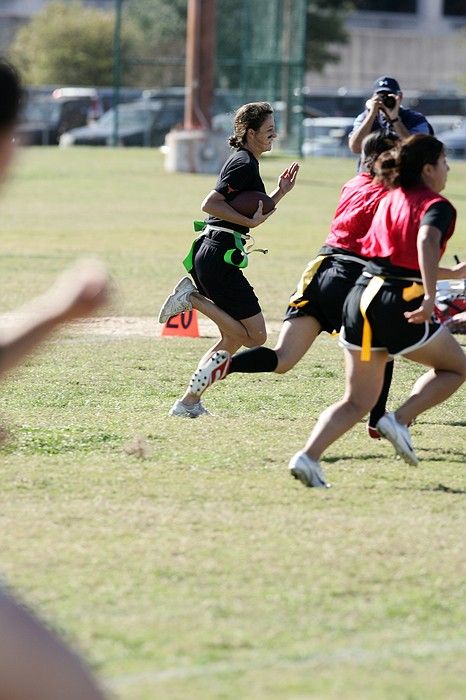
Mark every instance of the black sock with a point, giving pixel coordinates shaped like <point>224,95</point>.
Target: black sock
<point>380,407</point>
<point>254,360</point>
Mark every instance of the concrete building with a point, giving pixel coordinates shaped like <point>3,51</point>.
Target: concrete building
<point>425,48</point>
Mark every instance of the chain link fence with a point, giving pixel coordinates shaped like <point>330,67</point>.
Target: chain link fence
<point>260,54</point>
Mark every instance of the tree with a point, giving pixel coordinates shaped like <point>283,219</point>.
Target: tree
<point>160,56</point>
<point>164,18</point>
<point>68,43</point>
<point>163,24</point>
<point>325,26</point>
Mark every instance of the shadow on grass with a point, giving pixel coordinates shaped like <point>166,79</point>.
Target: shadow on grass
<point>453,423</point>
<point>444,489</point>
<point>347,458</point>
<point>449,454</point>
<point>440,488</point>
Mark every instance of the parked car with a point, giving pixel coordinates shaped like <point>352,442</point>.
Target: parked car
<point>327,136</point>
<point>444,122</point>
<point>223,123</point>
<point>125,94</point>
<point>95,105</point>
<point>46,117</point>
<point>455,141</point>
<point>345,102</point>
<point>223,100</point>
<point>140,123</point>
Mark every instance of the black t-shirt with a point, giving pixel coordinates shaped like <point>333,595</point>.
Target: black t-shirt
<point>239,173</point>
<point>440,215</point>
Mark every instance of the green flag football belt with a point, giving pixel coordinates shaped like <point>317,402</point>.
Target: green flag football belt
<point>238,251</point>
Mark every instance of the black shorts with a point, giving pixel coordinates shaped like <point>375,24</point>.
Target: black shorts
<point>221,282</point>
<point>390,329</point>
<point>326,293</point>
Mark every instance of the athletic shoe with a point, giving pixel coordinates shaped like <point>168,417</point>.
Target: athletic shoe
<point>178,300</point>
<point>373,432</point>
<point>184,410</point>
<point>399,436</point>
<point>308,471</point>
<point>213,369</point>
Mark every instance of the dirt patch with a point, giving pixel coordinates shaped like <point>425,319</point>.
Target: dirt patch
<point>126,326</point>
<point>147,327</point>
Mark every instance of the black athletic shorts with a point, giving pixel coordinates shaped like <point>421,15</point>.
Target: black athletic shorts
<point>390,329</point>
<point>222,282</point>
<point>327,292</point>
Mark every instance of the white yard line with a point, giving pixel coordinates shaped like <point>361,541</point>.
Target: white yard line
<point>348,655</point>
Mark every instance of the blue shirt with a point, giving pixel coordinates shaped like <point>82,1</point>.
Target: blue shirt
<point>415,122</point>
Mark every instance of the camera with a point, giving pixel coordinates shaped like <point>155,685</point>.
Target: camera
<point>388,100</point>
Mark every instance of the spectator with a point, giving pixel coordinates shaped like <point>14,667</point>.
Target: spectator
<point>384,112</point>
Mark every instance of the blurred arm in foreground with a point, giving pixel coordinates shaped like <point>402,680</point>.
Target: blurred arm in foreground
<point>78,292</point>
<point>34,664</point>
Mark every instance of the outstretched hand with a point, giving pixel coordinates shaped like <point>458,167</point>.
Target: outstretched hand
<point>421,314</point>
<point>79,291</point>
<point>459,271</point>
<point>287,179</point>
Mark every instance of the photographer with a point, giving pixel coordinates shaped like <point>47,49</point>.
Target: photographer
<point>384,113</point>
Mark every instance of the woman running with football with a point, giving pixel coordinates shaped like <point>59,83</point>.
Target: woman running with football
<point>389,311</point>
<point>217,257</point>
<point>317,304</point>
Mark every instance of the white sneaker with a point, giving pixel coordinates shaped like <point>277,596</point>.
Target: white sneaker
<point>184,410</point>
<point>213,369</point>
<point>399,436</point>
<point>308,471</point>
<point>178,300</point>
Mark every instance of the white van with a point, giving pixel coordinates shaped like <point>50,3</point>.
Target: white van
<point>327,136</point>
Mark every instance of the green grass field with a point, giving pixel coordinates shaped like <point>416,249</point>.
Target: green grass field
<point>204,571</point>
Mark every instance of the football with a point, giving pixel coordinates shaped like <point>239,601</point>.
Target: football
<point>246,203</point>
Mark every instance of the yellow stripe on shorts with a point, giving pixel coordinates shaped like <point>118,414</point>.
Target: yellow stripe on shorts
<point>366,298</point>
<point>296,299</point>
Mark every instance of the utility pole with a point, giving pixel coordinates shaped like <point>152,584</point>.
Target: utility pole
<point>200,62</point>
<point>116,72</point>
<point>196,148</point>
